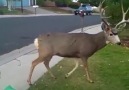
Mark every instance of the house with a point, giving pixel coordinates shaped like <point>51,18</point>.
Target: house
<point>3,3</point>
<point>18,3</point>
<point>75,1</point>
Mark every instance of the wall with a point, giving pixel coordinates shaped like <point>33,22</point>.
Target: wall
<point>15,3</point>
<point>3,3</point>
<point>18,3</point>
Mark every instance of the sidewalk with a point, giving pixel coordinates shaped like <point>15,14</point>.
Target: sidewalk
<point>15,73</point>
<point>38,10</point>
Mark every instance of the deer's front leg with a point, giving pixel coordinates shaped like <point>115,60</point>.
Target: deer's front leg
<point>84,61</point>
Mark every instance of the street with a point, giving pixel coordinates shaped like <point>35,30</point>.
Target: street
<point>18,32</point>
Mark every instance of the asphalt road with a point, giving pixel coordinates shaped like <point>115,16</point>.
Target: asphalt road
<point>18,32</point>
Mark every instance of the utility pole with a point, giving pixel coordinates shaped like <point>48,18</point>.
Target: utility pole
<point>35,2</point>
<point>9,3</point>
<point>82,20</point>
<point>22,6</point>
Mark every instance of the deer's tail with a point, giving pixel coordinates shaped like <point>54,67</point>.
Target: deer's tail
<point>36,43</point>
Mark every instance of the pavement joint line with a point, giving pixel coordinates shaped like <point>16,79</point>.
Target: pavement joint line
<point>19,56</point>
<point>18,61</point>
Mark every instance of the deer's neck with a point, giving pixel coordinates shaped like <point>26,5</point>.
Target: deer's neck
<point>100,40</point>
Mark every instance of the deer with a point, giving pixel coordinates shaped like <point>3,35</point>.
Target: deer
<point>73,45</point>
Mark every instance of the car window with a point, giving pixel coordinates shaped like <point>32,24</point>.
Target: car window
<point>83,5</point>
<point>80,8</point>
<point>88,7</point>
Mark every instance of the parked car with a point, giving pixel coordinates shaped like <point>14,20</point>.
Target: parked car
<point>85,8</point>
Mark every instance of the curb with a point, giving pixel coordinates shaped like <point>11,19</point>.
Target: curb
<point>32,15</point>
<point>35,15</point>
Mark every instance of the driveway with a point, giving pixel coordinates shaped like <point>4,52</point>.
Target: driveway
<point>39,10</point>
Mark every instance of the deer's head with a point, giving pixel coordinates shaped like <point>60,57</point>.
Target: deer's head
<point>111,34</point>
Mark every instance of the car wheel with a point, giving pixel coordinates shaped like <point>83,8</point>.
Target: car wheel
<point>84,14</point>
<point>90,14</point>
<point>75,13</point>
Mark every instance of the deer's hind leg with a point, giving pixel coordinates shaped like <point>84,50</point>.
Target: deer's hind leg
<point>34,63</point>
<point>42,57</point>
<point>46,63</point>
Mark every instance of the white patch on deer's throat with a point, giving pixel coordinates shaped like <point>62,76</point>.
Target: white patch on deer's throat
<point>117,38</point>
<point>36,43</point>
<point>107,42</point>
<point>113,39</point>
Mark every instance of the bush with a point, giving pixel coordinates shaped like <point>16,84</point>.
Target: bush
<point>1,12</point>
<point>114,10</point>
<point>60,4</point>
<point>73,5</point>
<point>40,2</point>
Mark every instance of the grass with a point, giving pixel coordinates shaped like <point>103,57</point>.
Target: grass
<point>5,11</point>
<point>109,68</point>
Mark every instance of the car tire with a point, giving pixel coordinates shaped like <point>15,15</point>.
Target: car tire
<point>84,14</point>
<point>75,13</point>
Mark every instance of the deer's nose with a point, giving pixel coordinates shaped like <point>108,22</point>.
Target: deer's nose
<point>119,43</point>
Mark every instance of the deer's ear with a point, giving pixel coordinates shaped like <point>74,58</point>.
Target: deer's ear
<point>105,27</point>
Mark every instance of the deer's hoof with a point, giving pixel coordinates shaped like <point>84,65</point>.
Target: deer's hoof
<point>66,76</point>
<point>55,78</point>
<point>91,81</point>
<point>29,82</point>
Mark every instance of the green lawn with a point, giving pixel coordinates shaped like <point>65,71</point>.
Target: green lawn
<point>5,11</point>
<point>109,68</point>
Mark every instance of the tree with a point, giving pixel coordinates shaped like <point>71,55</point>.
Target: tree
<point>40,2</point>
<point>9,4</point>
<point>115,11</point>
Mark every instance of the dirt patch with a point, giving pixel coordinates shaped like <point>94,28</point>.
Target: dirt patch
<point>125,41</point>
